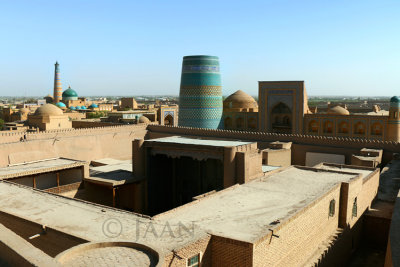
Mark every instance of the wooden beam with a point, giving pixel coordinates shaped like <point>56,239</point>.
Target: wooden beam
<point>113,197</point>
<point>58,181</point>
<point>34,182</point>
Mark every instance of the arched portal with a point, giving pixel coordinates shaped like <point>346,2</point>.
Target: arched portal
<point>281,116</point>
<point>359,128</point>
<point>169,120</point>
<point>252,123</point>
<point>376,128</point>
<point>228,123</point>
<point>344,127</point>
<point>239,123</point>
<point>313,126</point>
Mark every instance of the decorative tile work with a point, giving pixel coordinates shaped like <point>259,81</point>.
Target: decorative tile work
<point>57,95</point>
<point>200,98</point>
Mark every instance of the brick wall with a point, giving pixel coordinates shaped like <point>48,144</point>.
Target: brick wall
<point>80,144</point>
<point>300,236</point>
<point>180,257</point>
<point>92,124</point>
<point>228,252</point>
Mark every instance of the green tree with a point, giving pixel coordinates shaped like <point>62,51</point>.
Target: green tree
<point>96,114</point>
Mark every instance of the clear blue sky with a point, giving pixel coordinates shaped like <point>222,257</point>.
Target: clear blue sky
<point>136,47</point>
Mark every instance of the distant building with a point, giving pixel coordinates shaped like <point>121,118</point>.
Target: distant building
<point>49,117</point>
<point>240,112</point>
<point>168,115</point>
<point>128,103</point>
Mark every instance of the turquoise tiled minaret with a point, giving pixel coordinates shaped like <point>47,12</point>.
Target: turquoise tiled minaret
<point>200,96</point>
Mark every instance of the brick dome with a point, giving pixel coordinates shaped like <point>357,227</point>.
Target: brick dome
<point>48,110</point>
<point>241,100</point>
<point>338,110</point>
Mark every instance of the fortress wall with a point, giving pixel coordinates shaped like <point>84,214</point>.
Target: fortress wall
<point>80,144</point>
<point>10,137</point>
<point>321,144</point>
<point>92,124</point>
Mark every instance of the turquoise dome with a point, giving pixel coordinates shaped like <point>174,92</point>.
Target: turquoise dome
<point>395,102</point>
<point>60,105</point>
<point>72,108</point>
<point>395,99</point>
<point>78,107</point>
<point>69,94</point>
<point>83,107</point>
<point>93,106</point>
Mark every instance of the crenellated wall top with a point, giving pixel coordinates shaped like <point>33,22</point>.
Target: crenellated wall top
<point>268,137</point>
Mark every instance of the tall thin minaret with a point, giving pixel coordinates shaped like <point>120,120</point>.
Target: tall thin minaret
<point>57,85</point>
<point>393,129</point>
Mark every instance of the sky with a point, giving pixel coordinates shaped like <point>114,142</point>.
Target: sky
<point>136,47</point>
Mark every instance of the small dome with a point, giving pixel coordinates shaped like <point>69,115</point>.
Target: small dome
<point>78,107</point>
<point>395,99</point>
<point>49,96</point>
<point>93,106</point>
<point>240,99</point>
<point>24,111</point>
<point>60,105</point>
<point>48,110</point>
<point>144,119</point>
<point>69,93</point>
<point>338,110</point>
<point>83,107</point>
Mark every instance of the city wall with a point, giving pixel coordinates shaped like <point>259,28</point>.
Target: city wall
<point>80,144</point>
<point>301,143</point>
<point>77,124</point>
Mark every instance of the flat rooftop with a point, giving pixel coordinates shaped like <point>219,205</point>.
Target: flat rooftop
<point>87,220</point>
<point>268,168</point>
<point>201,142</point>
<point>242,212</point>
<point>364,171</point>
<point>30,168</point>
<point>246,212</point>
<point>112,178</point>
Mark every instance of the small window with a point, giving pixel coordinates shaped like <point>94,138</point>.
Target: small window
<point>354,212</point>
<point>194,261</point>
<point>332,208</point>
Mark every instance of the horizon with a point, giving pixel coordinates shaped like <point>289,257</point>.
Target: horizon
<point>138,47</point>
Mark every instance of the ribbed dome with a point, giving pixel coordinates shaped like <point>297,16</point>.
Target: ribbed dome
<point>72,108</point>
<point>93,106</point>
<point>240,99</point>
<point>48,110</point>
<point>24,111</point>
<point>144,119</point>
<point>69,93</point>
<point>338,110</point>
